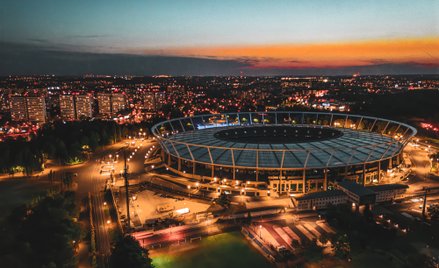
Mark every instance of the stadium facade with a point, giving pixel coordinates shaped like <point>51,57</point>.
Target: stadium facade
<point>296,152</point>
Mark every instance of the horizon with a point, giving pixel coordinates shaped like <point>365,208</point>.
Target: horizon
<point>229,38</point>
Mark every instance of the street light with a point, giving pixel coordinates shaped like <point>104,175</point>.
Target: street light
<point>260,231</point>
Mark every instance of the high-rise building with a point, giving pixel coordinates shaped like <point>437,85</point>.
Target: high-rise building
<point>75,106</point>
<point>111,103</point>
<point>83,106</point>
<point>36,109</point>
<point>104,103</point>
<point>153,101</point>
<point>18,108</point>
<point>160,98</point>
<point>118,103</point>
<point>67,107</point>
<point>149,101</point>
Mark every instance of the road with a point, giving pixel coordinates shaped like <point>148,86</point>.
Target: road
<point>421,166</point>
<point>90,180</point>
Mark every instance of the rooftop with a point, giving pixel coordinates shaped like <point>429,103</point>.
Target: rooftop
<point>356,188</point>
<point>387,187</point>
<point>321,194</point>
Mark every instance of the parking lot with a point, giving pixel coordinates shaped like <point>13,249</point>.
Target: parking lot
<point>147,206</point>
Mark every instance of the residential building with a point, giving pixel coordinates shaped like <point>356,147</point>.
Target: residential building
<point>18,107</point>
<point>153,101</point>
<point>67,107</point>
<point>83,106</point>
<point>111,103</point>
<point>36,109</point>
<point>118,103</point>
<point>104,104</point>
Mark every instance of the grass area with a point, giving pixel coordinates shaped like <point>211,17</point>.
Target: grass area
<point>16,192</point>
<point>373,259</point>
<point>224,250</point>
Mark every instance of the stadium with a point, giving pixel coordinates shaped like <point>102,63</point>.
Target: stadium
<point>294,152</point>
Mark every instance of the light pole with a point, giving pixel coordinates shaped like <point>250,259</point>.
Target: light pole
<point>260,231</point>
<point>125,175</point>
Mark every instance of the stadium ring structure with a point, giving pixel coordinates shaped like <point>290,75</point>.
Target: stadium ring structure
<point>294,152</point>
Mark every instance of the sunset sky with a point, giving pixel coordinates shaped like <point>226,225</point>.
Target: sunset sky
<point>250,35</point>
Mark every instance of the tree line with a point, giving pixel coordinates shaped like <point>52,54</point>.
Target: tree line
<point>41,234</point>
<point>63,142</point>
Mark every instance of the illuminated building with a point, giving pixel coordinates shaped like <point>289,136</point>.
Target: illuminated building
<point>104,104</point>
<point>111,103</point>
<point>74,107</point>
<point>291,152</point>
<point>83,106</point>
<point>36,109</point>
<point>153,101</point>
<point>67,107</point>
<point>18,108</point>
<point>118,103</point>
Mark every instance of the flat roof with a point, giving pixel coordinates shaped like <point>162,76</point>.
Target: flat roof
<point>387,187</point>
<point>322,194</point>
<point>355,188</point>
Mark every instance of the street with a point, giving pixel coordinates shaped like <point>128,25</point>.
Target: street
<point>90,179</point>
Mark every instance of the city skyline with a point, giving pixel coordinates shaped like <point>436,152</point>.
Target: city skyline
<point>230,133</point>
<point>227,38</point>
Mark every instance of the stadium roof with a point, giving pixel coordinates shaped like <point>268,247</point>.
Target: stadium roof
<point>353,147</point>
<point>362,140</point>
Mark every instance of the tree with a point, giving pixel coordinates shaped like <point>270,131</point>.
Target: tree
<point>342,246</point>
<point>433,210</point>
<point>129,253</point>
<point>324,238</point>
<point>42,234</point>
<point>67,179</point>
<point>296,243</point>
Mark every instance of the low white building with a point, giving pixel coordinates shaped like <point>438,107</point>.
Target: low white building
<point>388,192</point>
<point>320,200</point>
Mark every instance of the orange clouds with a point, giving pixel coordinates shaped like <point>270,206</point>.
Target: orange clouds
<point>359,53</point>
